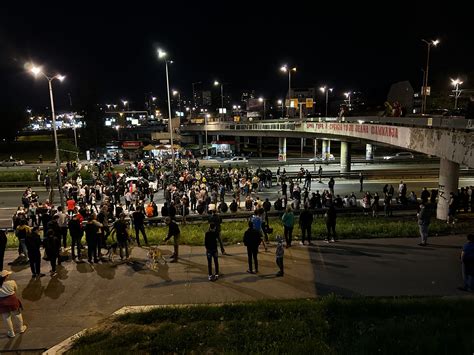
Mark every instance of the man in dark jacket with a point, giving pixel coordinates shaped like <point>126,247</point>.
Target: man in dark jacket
<point>33,244</point>
<point>52,245</point>
<point>305,221</point>
<point>331,216</point>
<point>92,230</point>
<point>252,239</point>
<point>210,241</point>
<point>173,231</point>
<point>3,245</point>
<point>139,225</point>
<point>121,229</point>
<point>216,220</point>
<point>76,232</point>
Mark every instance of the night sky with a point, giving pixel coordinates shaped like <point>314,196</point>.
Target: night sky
<point>110,50</point>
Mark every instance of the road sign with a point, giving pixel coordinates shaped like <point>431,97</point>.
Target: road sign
<point>309,103</point>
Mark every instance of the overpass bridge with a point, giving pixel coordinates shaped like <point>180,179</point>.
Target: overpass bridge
<point>449,138</point>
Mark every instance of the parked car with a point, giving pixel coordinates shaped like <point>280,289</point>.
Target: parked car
<point>12,162</point>
<point>400,156</point>
<point>236,161</point>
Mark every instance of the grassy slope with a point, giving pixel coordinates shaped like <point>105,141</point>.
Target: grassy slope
<point>329,325</point>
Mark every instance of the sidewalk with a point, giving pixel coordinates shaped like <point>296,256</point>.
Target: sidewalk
<point>81,295</point>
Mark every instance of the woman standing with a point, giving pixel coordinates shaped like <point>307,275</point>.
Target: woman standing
<point>10,305</point>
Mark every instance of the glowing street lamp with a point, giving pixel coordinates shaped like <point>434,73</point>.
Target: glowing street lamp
<point>177,93</point>
<point>425,84</point>
<point>288,70</point>
<point>280,103</point>
<point>162,55</point>
<point>348,97</point>
<point>38,71</point>
<point>456,91</point>
<point>261,99</point>
<point>326,91</point>
<point>125,104</point>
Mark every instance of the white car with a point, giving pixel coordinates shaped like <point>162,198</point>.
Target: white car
<point>236,161</point>
<point>319,158</point>
<point>12,162</point>
<point>400,156</point>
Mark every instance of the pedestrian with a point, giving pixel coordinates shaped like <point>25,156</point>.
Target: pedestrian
<point>92,237</point>
<point>173,231</point>
<point>33,243</point>
<point>210,241</point>
<point>288,220</point>
<point>10,305</point>
<point>3,246</point>
<point>63,225</point>
<point>280,251</point>
<point>331,186</point>
<point>252,240</point>
<point>305,222</point>
<point>467,260</point>
<point>320,173</point>
<point>361,180</point>
<point>424,218</point>
<point>38,174</point>
<point>76,231</point>
<point>257,223</point>
<point>21,232</point>
<point>331,216</point>
<point>121,229</point>
<point>139,225</point>
<point>52,245</point>
<point>216,220</point>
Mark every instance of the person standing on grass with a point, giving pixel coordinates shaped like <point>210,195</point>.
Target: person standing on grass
<point>467,260</point>
<point>331,216</point>
<point>216,220</point>
<point>280,251</point>
<point>305,222</point>
<point>173,231</point>
<point>10,305</point>
<point>288,220</point>
<point>424,218</point>
<point>210,241</point>
<point>139,225</point>
<point>252,240</point>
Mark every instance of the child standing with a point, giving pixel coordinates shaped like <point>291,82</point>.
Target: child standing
<point>280,251</point>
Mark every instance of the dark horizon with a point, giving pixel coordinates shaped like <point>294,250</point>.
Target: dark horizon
<point>110,53</point>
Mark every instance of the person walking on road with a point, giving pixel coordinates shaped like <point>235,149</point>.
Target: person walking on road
<point>173,231</point>
<point>10,305</point>
<point>361,181</point>
<point>305,222</point>
<point>320,173</point>
<point>288,220</point>
<point>252,240</point>
<point>424,218</point>
<point>467,260</point>
<point>331,186</point>
<point>210,241</point>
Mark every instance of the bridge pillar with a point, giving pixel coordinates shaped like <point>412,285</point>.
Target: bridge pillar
<point>200,141</point>
<point>448,182</point>
<point>259,146</point>
<point>345,157</point>
<point>369,152</point>
<point>324,149</point>
<point>329,147</point>
<point>237,145</point>
<point>282,149</point>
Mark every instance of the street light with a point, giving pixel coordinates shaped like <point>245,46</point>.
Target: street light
<point>216,83</point>
<point>205,128</point>
<point>348,97</point>
<point>456,91</point>
<point>125,103</point>
<point>425,84</point>
<point>38,71</point>
<point>326,91</point>
<point>261,99</point>
<point>162,55</point>
<point>288,70</point>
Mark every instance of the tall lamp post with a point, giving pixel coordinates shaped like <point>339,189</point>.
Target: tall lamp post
<point>326,91</point>
<point>288,70</point>
<point>348,97</point>
<point>425,84</point>
<point>261,99</point>
<point>38,71</point>
<point>456,91</point>
<point>162,55</point>
<point>216,83</point>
